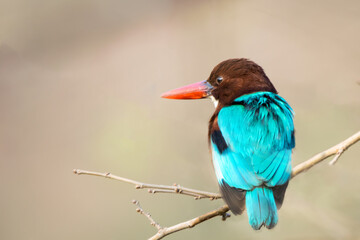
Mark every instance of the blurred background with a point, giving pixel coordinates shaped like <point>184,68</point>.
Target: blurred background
<point>79,88</point>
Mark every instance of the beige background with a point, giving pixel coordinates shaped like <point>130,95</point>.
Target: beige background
<point>79,88</point>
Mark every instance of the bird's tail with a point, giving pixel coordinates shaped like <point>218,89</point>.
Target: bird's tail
<point>261,208</point>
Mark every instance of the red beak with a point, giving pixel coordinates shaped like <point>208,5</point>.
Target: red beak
<point>193,91</point>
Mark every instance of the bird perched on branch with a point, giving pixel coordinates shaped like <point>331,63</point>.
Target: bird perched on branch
<point>251,136</point>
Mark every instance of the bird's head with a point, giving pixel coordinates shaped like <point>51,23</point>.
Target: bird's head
<point>229,80</point>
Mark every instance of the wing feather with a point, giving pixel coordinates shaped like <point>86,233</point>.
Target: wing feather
<point>259,136</point>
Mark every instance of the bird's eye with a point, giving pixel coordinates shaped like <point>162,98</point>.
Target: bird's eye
<point>219,80</point>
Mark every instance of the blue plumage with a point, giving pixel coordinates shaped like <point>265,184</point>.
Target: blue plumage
<point>259,134</point>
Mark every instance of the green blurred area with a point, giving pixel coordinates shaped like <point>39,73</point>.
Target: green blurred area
<point>79,88</point>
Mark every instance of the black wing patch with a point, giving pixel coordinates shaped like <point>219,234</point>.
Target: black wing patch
<point>234,197</point>
<point>239,103</point>
<point>218,139</point>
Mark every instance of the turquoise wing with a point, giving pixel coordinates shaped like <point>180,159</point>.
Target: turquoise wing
<point>259,134</point>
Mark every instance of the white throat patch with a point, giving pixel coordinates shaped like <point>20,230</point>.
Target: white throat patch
<point>216,102</point>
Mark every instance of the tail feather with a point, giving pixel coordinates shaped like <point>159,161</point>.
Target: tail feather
<point>261,208</point>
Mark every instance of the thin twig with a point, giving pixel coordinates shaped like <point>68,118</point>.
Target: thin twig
<point>147,215</point>
<point>196,196</point>
<point>154,188</point>
<point>336,150</point>
<point>337,156</point>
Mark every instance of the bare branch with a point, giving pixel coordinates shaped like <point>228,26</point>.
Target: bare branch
<point>336,150</point>
<point>154,188</point>
<point>196,196</point>
<point>164,231</point>
<point>147,215</point>
<point>222,211</point>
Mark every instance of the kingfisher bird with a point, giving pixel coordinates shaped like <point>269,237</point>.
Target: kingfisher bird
<point>251,137</point>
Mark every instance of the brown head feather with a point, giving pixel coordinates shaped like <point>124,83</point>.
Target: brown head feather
<point>240,76</point>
